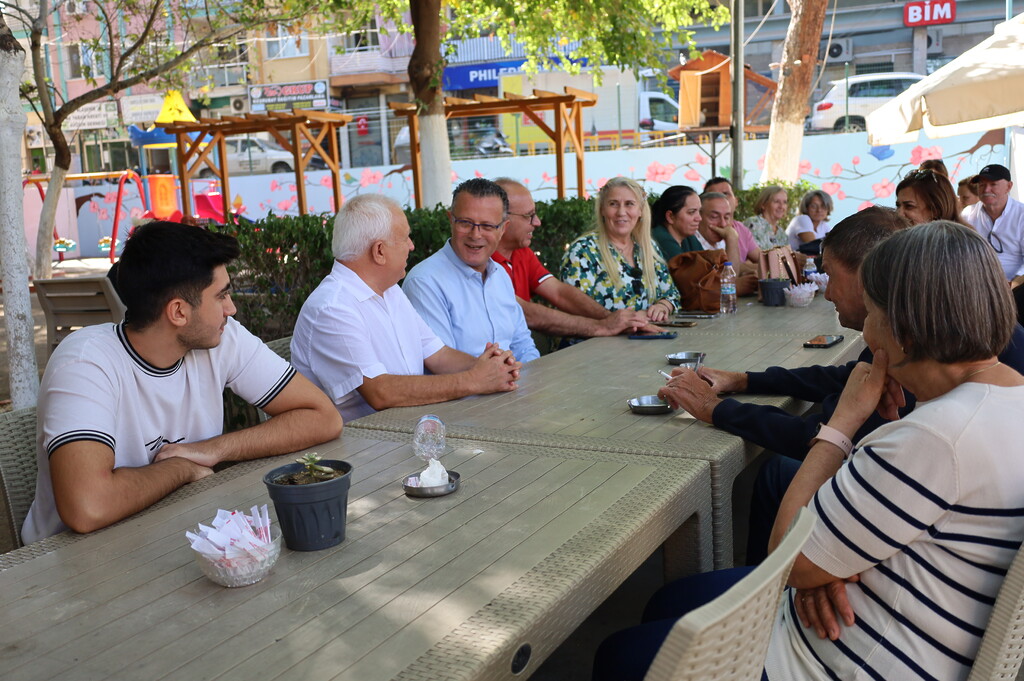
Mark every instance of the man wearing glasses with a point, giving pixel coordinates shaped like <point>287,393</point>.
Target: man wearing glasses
<point>999,218</point>
<point>459,291</point>
<point>574,312</point>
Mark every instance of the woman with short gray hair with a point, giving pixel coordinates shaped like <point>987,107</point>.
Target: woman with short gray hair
<point>918,523</point>
<point>812,222</point>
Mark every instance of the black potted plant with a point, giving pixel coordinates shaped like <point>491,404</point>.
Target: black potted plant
<point>311,500</point>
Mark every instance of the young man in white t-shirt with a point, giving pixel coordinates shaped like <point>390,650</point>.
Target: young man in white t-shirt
<point>130,412</point>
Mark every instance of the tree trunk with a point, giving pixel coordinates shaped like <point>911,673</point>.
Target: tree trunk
<point>21,354</point>
<point>799,59</point>
<point>425,69</point>
<point>48,214</point>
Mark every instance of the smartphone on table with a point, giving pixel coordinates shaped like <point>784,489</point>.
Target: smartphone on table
<point>823,341</point>
<point>667,335</point>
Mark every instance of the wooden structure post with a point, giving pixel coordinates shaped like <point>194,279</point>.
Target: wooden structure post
<point>309,131</point>
<point>567,126</point>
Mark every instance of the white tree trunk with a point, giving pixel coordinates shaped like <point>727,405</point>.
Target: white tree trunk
<point>47,219</point>
<point>782,159</point>
<point>437,161</point>
<point>21,354</point>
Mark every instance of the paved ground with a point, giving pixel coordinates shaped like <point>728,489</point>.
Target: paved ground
<point>89,267</point>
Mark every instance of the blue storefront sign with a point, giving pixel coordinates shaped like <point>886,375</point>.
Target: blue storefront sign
<point>466,76</point>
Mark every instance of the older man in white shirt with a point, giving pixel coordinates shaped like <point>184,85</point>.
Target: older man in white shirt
<point>999,218</point>
<point>359,339</point>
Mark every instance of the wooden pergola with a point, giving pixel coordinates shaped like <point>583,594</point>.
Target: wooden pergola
<point>568,125</point>
<point>196,142</point>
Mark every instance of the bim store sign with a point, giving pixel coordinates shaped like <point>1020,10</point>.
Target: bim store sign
<point>287,96</point>
<point>929,13</point>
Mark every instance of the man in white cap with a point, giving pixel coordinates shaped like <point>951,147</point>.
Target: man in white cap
<point>999,218</point>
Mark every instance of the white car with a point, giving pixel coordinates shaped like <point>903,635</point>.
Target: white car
<point>835,111</point>
<point>247,156</point>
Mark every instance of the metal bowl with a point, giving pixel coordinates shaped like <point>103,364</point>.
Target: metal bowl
<point>690,360</point>
<point>437,491</point>
<point>648,404</point>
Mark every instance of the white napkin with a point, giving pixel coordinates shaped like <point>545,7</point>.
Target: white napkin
<point>434,476</point>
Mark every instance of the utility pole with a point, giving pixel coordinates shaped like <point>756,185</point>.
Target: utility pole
<point>739,107</point>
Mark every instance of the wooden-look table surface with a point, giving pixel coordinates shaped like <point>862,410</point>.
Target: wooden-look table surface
<point>466,586</point>
<point>577,397</point>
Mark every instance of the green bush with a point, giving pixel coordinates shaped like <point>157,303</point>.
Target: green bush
<point>283,258</point>
<point>562,220</point>
<point>795,190</point>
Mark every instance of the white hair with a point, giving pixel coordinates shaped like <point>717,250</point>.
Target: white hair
<point>361,221</point>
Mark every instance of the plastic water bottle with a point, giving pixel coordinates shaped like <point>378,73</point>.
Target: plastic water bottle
<point>428,440</point>
<point>728,289</point>
<point>809,269</point>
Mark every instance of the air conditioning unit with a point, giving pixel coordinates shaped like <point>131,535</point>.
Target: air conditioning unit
<point>839,50</point>
<point>77,7</point>
<point>239,104</point>
<point>934,42</point>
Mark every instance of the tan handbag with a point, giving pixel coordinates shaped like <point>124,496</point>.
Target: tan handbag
<point>777,263</point>
<point>698,276</point>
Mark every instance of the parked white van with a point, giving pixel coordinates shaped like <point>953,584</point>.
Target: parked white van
<point>840,111</point>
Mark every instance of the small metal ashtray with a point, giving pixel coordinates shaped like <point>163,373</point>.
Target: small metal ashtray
<point>648,404</point>
<point>690,360</point>
<point>438,491</point>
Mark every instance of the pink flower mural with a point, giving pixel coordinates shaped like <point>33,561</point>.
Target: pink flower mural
<point>274,185</point>
<point>805,167</point>
<point>701,159</point>
<point>325,181</point>
<point>866,204</point>
<point>371,177</point>
<point>883,189</point>
<point>841,195</point>
<point>601,182</point>
<point>692,175</point>
<point>478,173</point>
<point>830,188</point>
<point>455,177</point>
<point>855,160</point>
<point>110,197</point>
<point>919,153</point>
<point>837,169</point>
<point>657,172</point>
<point>760,163</point>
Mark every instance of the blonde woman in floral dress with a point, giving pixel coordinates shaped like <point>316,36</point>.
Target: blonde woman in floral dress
<point>618,264</point>
<point>766,223</point>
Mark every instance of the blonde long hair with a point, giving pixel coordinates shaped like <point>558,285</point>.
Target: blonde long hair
<point>641,235</point>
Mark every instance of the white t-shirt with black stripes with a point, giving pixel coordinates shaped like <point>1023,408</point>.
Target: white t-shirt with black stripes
<point>96,387</point>
<point>929,511</point>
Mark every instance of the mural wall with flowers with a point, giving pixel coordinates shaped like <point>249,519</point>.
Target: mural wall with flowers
<point>845,166</point>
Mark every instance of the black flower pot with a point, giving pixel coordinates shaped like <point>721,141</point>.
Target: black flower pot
<point>312,517</point>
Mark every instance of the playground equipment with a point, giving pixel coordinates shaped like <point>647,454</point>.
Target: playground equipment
<point>61,245</point>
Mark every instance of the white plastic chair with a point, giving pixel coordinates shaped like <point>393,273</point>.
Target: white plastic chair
<point>1002,647</point>
<point>727,639</point>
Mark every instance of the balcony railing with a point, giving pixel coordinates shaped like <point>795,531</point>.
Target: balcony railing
<point>221,75</point>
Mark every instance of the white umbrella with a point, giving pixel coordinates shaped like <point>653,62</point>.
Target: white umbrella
<point>982,89</point>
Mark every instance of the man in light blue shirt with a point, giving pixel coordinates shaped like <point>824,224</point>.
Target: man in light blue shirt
<point>459,291</point>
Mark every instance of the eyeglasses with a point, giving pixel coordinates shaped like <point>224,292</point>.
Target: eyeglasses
<point>998,245</point>
<point>921,174</point>
<point>529,216</point>
<point>467,226</point>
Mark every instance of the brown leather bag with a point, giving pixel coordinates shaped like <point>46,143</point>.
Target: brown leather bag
<point>698,276</point>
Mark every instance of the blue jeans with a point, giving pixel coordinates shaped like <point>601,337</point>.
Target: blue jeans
<point>769,488</point>
<point>626,655</point>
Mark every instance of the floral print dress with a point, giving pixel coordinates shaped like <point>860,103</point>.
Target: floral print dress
<point>763,233</point>
<point>582,268</point>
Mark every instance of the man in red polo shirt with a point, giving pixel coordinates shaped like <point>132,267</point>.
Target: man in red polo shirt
<point>577,314</point>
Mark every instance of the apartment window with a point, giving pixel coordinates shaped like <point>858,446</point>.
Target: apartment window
<point>876,67</point>
<point>80,61</point>
<point>281,44</point>
<point>366,39</point>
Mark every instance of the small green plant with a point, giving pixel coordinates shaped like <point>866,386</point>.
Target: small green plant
<point>313,468</point>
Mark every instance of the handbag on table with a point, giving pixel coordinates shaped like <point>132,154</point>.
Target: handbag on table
<point>698,277</point>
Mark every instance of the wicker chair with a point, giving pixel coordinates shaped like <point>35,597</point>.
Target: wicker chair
<point>727,639</point>
<point>1002,647</point>
<point>17,473</point>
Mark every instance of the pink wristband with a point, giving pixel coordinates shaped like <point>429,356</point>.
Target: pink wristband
<point>835,437</point>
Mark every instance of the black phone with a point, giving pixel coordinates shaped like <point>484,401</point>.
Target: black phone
<point>823,341</point>
<point>696,314</point>
<point>667,335</point>
<point>682,324</point>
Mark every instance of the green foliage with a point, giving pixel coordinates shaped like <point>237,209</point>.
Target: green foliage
<point>795,191</point>
<point>562,220</point>
<point>283,258</point>
<point>429,229</point>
